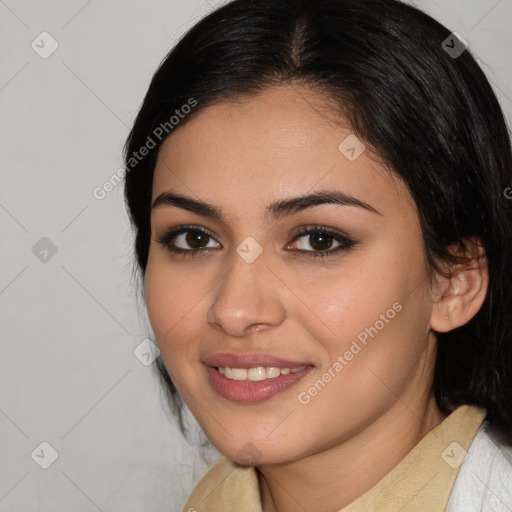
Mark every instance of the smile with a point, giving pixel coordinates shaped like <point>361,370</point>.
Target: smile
<point>255,384</point>
<point>257,373</point>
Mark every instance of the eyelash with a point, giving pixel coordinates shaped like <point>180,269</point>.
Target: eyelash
<point>345,242</point>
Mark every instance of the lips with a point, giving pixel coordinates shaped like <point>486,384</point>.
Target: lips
<point>245,390</point>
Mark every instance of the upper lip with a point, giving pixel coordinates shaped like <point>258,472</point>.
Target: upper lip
<point>250,361</point>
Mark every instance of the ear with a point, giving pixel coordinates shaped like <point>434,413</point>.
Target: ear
<point>459,295</point>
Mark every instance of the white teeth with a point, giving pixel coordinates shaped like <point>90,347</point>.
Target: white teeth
<point>272,372</point>
<point>238,373</point>
<point>257,373</point>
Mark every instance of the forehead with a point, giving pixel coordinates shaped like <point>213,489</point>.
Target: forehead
<point>280,143</point>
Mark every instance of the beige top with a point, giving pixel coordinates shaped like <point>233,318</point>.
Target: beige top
<point>422,481</point>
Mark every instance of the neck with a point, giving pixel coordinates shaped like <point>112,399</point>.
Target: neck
<point>339,475</point>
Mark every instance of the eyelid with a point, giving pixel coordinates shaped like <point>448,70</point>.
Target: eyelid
<point>313,228</point>
<point>186,227</point>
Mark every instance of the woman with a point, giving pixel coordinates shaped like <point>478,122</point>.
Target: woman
<point>319,195</point>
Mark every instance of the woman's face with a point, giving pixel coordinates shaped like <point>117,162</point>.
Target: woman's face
<point>311,350</point>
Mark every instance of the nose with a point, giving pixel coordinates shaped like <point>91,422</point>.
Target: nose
<point>247,299</point>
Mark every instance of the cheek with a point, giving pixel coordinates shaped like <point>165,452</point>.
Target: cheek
<point>173,301</point>
<point>360,294</point>
<point>374,314</point>
<point>369,361</point>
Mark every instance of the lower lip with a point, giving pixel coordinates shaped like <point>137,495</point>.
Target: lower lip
<point>247,391</point>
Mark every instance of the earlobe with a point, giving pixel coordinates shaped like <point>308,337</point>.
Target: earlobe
<point>458,297</point>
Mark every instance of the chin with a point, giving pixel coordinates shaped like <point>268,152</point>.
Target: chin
<point>258,453</point>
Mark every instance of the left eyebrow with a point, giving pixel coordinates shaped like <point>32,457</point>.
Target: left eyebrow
<point>275,211</point>
<point>285,207</point>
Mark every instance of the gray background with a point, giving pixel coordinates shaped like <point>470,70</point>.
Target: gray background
<point>70,321</point>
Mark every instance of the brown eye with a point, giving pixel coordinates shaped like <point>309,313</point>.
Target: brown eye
<point>321,241</point>
<point>188,240</point>
<point>318,241</point>
<point>196,239</point>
